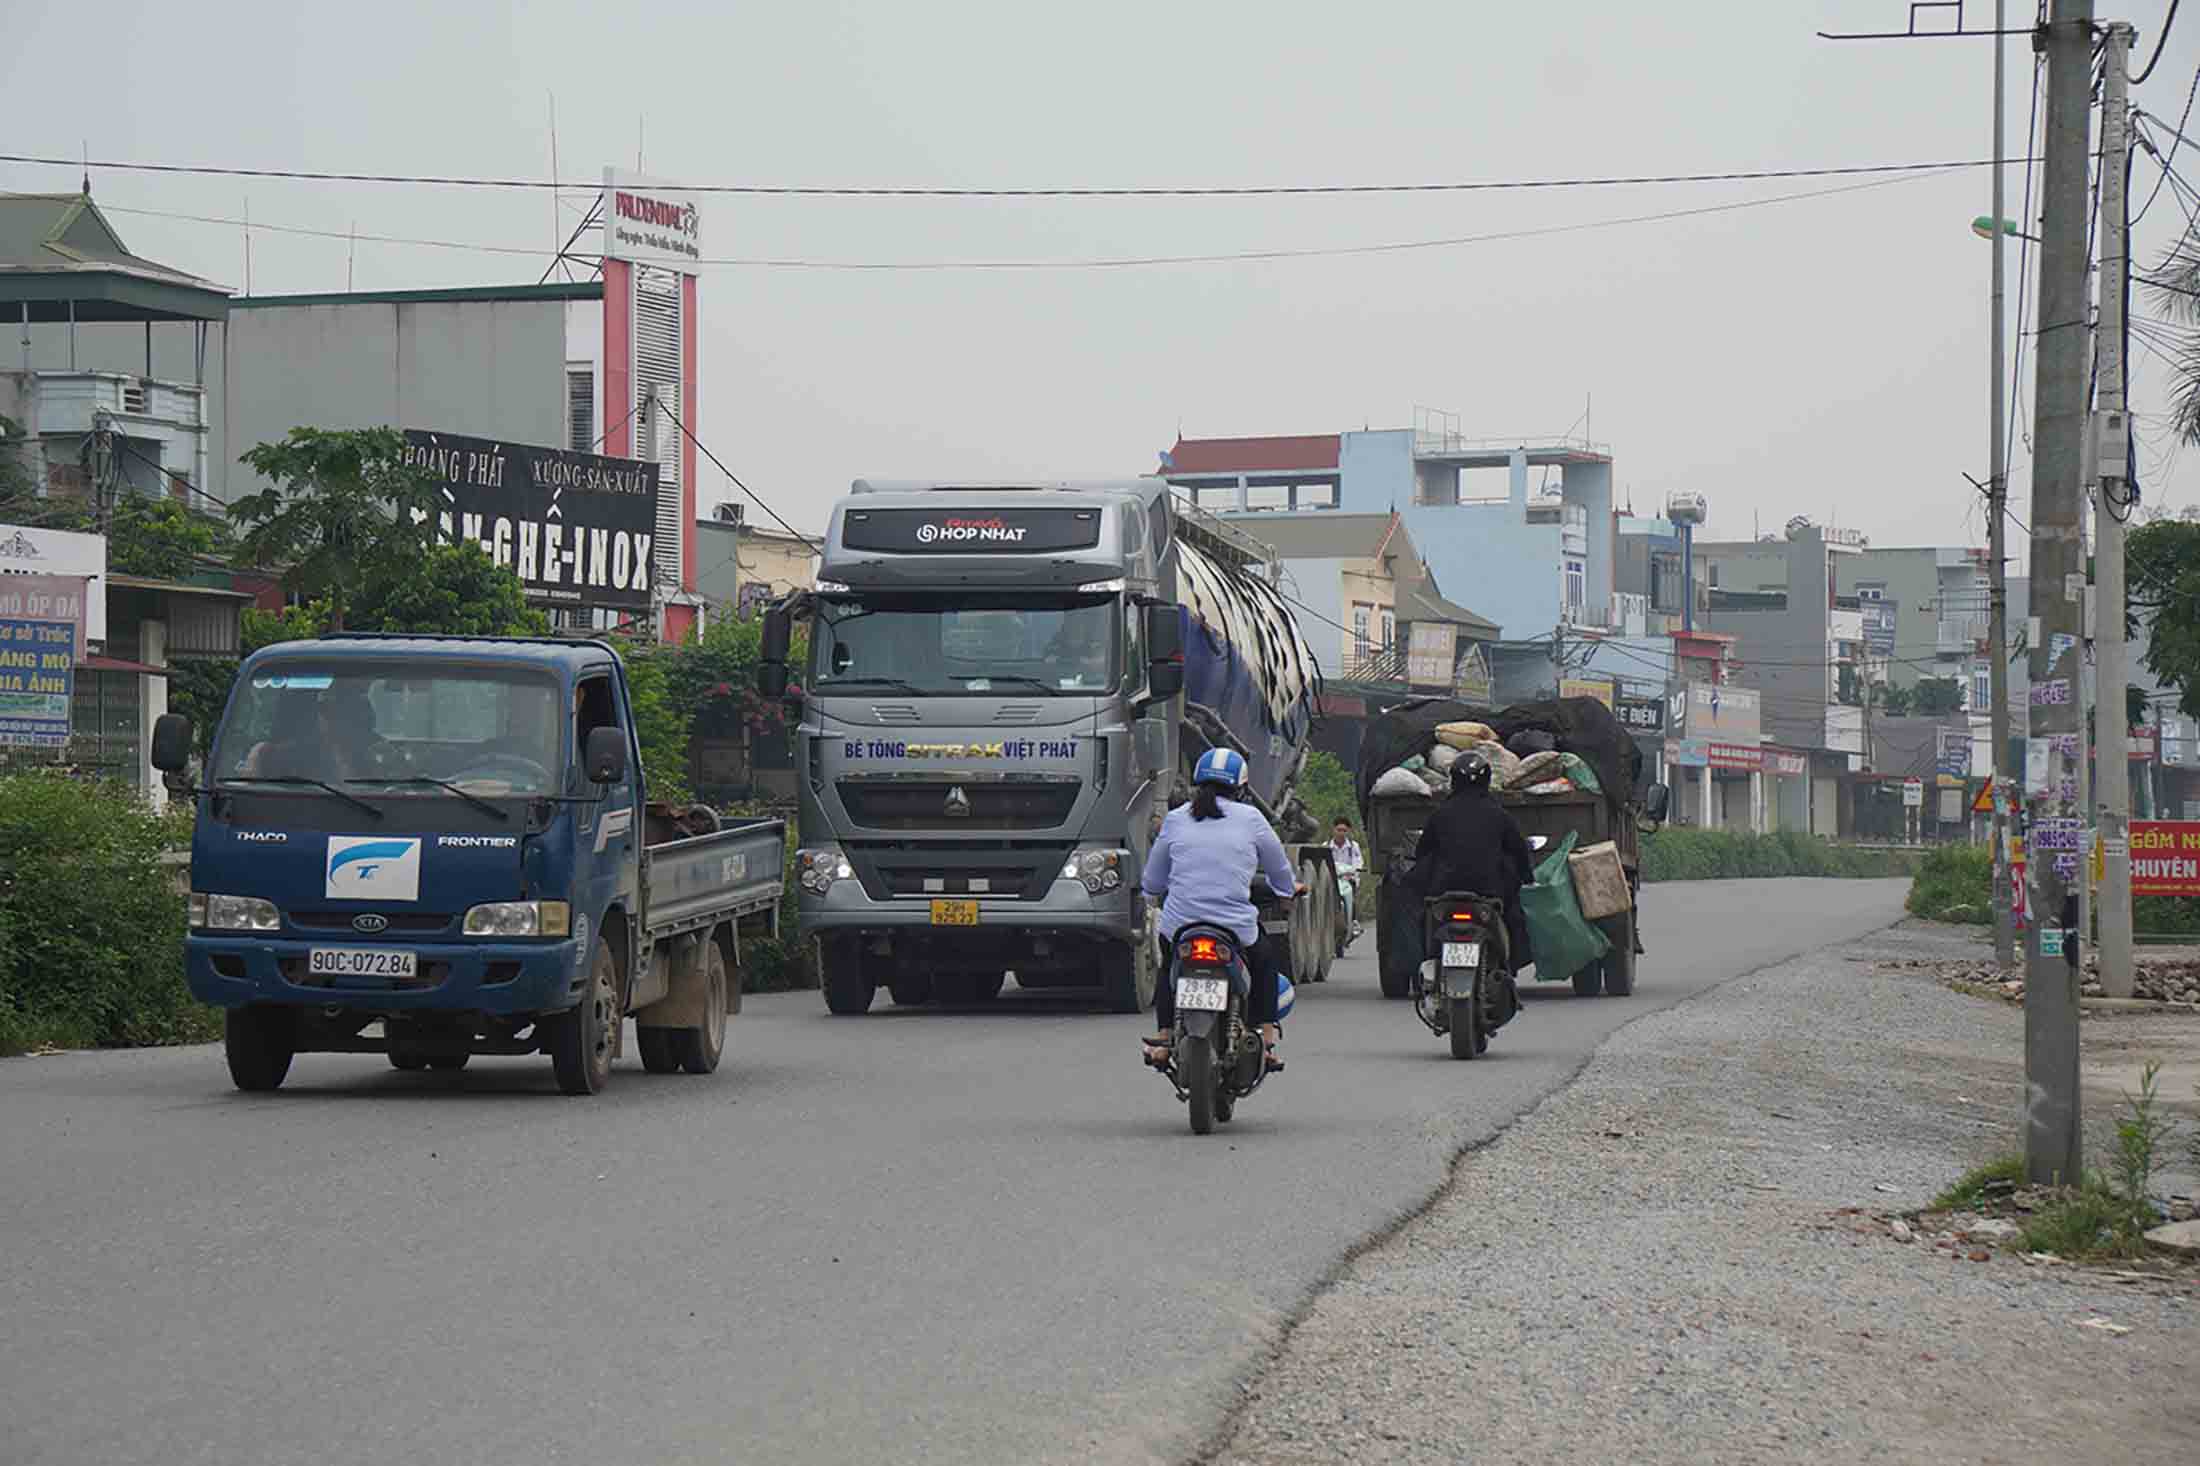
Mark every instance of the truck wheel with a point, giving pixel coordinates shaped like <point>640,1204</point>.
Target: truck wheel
<point>448,1063</point>
<point>1394,976</point>
<point>848,988</point>
<point>1589,981</point>
<point>911,990</point>
<point>698,1049</point>
<point>259,1043</point>
<point>408,1061</point>
<point>580,1041</point>
<point>656,1046</point>
<point>1619,963</point>
<point>1127,975</point>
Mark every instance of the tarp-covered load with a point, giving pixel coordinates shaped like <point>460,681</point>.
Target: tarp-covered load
<point>1581,726</point>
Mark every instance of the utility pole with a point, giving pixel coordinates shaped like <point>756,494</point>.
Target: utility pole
<point>2112,429</point>
<point>1997,551</point>
<point>2055,872</point>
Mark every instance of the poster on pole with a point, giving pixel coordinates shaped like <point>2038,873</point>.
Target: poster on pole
<point>37,678</point>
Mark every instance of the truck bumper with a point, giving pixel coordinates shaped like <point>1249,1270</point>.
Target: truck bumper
<point>230,970</point>
<point>1067,907</point>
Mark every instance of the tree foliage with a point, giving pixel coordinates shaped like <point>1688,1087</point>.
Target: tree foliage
<point>344,511</point>
<point>1936,697</point>
<point>2162,575</point>
<point>455,590</point>
<point>1895,700</point>
<point>161,539</point>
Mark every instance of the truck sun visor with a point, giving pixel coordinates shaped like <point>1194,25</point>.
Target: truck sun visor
<point>974,531</point>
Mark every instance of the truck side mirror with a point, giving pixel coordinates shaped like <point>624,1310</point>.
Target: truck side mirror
<point>171,743</point>
<point>1655,801</point>
<point>771,664</point>
<point>605,757</point>
<point>1164,651</point>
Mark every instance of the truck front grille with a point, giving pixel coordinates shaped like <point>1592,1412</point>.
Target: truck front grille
<point>949,804</point>
<point>940,868</point>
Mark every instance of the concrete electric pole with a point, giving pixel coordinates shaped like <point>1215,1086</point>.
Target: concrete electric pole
<point>1997,540</point>
<point>2055,748</point>
<point>2112,436</point>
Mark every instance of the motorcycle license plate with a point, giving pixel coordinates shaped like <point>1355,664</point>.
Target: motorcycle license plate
<point>954,913</point>
<point>1204,994</point>
<point>1462,954</point>
<point>361,962</point>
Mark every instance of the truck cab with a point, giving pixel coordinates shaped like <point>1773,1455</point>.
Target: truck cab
<point>984,739</point>
<point>444,841</point>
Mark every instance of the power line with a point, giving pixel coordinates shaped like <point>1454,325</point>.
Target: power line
<point>704,448</point>
<point>1125,261</point>
<point>2160,41</point>
<point>2177,136</point>
<point>766,190</point>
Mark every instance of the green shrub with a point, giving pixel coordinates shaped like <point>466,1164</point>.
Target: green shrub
<point>1956,883</point>
<point>91,927</point>
<point>1723,855</point>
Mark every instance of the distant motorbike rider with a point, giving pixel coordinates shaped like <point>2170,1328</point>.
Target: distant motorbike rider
<point>1471,844</point>
<point>1202,866</point>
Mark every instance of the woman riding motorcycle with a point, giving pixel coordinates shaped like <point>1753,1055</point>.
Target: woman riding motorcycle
<point>1202,866</point>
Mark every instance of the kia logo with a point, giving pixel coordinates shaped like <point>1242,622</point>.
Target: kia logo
<point>370,922</point>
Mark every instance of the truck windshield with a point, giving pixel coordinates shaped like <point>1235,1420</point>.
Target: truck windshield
<point>364,728</point>
<point>1060,645</point>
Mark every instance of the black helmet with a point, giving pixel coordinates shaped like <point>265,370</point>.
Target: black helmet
<point>1472,771</point>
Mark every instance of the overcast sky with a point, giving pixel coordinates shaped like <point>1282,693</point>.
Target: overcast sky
<point>1825,356</point>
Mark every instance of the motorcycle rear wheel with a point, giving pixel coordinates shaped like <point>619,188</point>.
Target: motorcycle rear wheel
<point>1197,1065</point>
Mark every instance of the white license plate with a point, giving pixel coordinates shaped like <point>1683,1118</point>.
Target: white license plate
<point>362,962</point>
<point>1203,994</point>
<point>1462,954</point>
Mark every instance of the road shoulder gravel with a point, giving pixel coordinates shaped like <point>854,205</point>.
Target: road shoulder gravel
<point>1671,1260</point>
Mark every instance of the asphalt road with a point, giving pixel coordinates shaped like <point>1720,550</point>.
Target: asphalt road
<point>917,1236</point>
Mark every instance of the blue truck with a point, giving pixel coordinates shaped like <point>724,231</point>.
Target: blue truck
<point>436,847</point>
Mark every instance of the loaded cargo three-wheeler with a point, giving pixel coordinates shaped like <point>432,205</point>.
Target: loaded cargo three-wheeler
<point>1394,822</point>
<point>436,847</point>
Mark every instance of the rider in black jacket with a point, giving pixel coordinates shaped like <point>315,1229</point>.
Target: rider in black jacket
<point>1472,844</point>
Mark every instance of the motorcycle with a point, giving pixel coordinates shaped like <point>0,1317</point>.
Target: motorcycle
<point>1461,990</point>
<point>1216,1057</point>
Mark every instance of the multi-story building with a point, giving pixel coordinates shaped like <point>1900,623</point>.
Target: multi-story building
<point>1925,614</point>
<point>1539,556</point>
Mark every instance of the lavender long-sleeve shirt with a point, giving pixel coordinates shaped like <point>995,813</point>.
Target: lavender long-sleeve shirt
<point>1206,867</point>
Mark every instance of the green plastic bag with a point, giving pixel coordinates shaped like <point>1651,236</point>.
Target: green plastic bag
<point>1562,939</point>
<point>1581,774</point>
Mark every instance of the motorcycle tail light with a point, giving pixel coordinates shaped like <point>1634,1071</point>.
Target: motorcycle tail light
<point>1204,952</point>
<point>1462,916</point>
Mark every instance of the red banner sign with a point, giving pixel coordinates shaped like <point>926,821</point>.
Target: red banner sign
<point>2165,857</point>
<point>1736,756</point>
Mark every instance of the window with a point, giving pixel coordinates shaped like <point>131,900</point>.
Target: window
<point>493,730</point>
<point>1982,689</point>
<point>918,646</point>
<point>580,407</point>
<point>1665,582</point>
<point>1390,628</point>
<point>1577,584</point>
<point>593,707</point>
<point>1871,590</point>
<point>1361,615</point>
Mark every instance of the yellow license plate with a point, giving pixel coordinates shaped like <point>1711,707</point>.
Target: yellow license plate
<point>954,913</point>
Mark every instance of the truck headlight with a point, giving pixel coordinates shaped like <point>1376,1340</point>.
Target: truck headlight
<point>820,867</point>
<point>232,913</point>
<point>519,919</point>
<point>1096,870</point>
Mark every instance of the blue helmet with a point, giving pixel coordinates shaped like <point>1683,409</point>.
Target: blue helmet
<point>1224,766</point>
